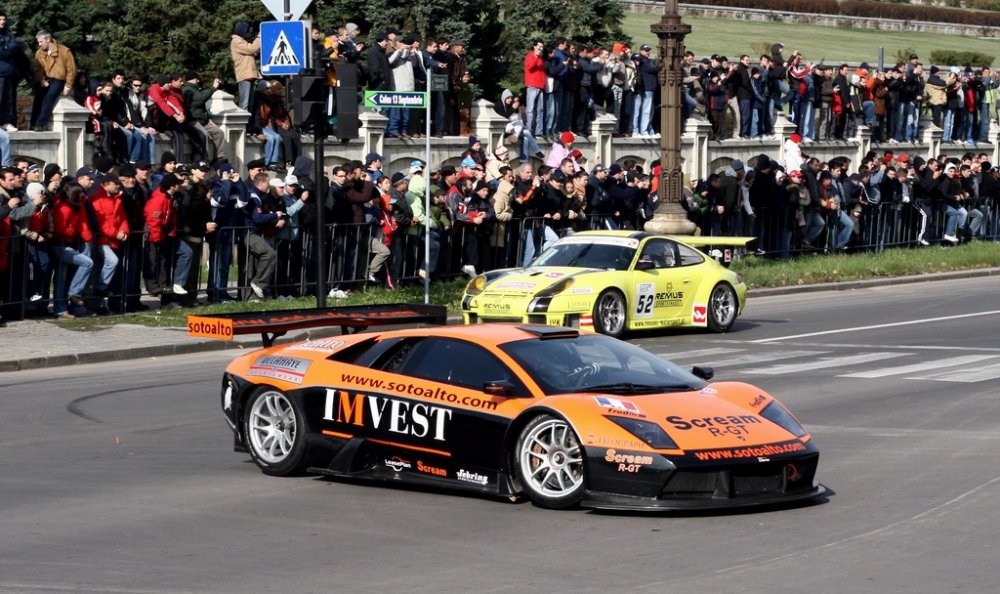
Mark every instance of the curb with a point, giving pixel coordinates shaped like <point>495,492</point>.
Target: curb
<point>166,350</point>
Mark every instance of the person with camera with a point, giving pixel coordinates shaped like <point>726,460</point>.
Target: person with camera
<point>244,53</point>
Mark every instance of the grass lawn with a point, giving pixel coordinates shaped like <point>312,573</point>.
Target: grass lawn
<point>834,45</point>
<point>757,272</point>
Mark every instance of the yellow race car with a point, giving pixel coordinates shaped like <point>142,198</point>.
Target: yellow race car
<point>614,281</point>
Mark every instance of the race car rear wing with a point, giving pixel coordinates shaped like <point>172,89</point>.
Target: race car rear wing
<point>723,250</point>
<point>274,324</point>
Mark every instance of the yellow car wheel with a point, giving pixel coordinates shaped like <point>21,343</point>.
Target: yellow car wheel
<point>610,313</point>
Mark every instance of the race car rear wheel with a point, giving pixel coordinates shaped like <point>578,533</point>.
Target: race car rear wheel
<point>610,313</point>
<point>549,463</point>
<point>274,432</point>
<point>722,308</point>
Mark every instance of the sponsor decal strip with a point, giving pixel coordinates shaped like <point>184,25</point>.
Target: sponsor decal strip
<point>410,447</point>
<point>336,434</point>
<point>414,390</point>
<point>751,452</point>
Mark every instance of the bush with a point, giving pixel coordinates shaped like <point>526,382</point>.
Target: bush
<point>966,59</point>
<point>903,55</point>
<point>760,48</point>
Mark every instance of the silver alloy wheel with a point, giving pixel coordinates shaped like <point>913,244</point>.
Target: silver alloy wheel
<point>723,304</point>
<point>551,459</point>
<point>611,310</point>
<point>272,427</point>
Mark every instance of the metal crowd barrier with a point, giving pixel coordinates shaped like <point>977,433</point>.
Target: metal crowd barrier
<point>27,287</point>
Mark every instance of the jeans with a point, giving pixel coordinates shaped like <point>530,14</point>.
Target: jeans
<point>272,146</point>
<point>38,276</point>
<point>182,265</point>
<point>535,111</point>
<point>845,225</point>
<point>5,158</point>
<point>67,257</point>
<point>815,223</point>
<point>528,238</point>
<point>808,125</point>
<point>529,146</point>
<point>642,112</point>
<point>954,219</point>
<point>969,128</point>
<point>246,91</point>
<point>110,259</point>
<point>220,254</point>
<point>45,101</point>
<point>551,109</point>
<point>912,121</point>
<point>564,121</point>
<point>399,121</point>
<point>984,122</point>
<point>134,142</point>
<point>949,124</point>
<point>869,109</point>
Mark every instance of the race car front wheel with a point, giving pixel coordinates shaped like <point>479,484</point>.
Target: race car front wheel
<point>609,313</point>
<point>275,436</point>
<point>550,463</point>
<point>722,308</point>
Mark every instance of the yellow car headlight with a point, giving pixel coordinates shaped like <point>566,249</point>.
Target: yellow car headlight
<point>476,285</point>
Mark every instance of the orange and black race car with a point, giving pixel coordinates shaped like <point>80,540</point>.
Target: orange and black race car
<point>562,417</point>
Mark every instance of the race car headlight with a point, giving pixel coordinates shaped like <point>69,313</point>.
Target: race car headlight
<point>555,289</point>
<point>780,416</point>
<point>650,433</point>
<point>476,285</point>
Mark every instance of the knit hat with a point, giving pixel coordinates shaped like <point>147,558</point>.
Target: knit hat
<point>918,161</point>
<point>567,137</point>
<point>50,170</point>
<point>169,180</point>
<point>935,70</point>
<point>473,139</point>
<point>615,169</point>
<point>576,155</point>
<point>825,175</point>
<point>736,164</point>
<point>167,157</point>
<point>796,138</point>
<point>468,162</point>
<point>34,190</point>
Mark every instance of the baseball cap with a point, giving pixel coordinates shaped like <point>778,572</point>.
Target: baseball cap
<point>33,167</point>
<point>373,156</point>
<point>255,164</point>
<point>143,164</point>
<point>644,48</point>
<point>598,168</point>
<point>84,172</point>
<point>276,182</point>
<point>291,180</point>
<point>558,176</point>
<point>203,166</point>
<point>468,162</point>
<point>398,177</point>
<point>223,168</point>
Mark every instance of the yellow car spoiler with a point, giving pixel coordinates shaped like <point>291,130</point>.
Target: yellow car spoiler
<point>723,250</point>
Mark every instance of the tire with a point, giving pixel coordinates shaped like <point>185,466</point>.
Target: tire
<point>611,313</point>
<point>549,463</point>
<point>722,308</point>
<point>274,432</point>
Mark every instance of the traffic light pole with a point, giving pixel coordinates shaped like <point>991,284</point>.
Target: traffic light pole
<point>322,188</point>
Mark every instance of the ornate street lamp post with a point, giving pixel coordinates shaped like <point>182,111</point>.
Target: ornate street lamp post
<point>670,216</point>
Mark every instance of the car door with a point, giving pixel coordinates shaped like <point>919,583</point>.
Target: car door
<point>450,374</point>
<point>660,285</point>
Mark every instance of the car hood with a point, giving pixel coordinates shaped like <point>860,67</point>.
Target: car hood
<point>721,415</point>
<point>530,280</point>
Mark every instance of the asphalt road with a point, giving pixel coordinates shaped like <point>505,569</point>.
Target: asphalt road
<point>121,478</point>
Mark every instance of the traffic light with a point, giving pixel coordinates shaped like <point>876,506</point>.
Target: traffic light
<point>347,101</point>
<point>310,97</point>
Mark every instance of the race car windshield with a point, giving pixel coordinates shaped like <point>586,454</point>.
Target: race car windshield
<point>608,256</point>
<point>596,363</point>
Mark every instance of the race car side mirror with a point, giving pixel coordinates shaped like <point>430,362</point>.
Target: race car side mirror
<point>503,389</point>
<point>645,265</point>
<point>705,373</point>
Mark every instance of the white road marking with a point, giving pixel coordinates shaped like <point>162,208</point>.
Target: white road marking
<point>878,326</point>
<point>696,354</point>
<point>753,358</point>
<point>918,367</point>
<point>965,376</point>
<point>824,363</point>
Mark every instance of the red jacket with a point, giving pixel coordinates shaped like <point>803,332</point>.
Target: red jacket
<point>110,217</point>
<point>167,99</point>
<point>69,225</point>
<point>534,71</point>
<point>160,216</point>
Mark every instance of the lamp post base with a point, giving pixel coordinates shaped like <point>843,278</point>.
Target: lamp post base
<point>670,219</point>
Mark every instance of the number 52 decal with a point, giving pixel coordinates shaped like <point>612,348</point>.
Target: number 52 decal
<point>645,295</point>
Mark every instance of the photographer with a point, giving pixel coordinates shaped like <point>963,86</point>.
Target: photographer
<point>266,218</point>
<point>244,53</point>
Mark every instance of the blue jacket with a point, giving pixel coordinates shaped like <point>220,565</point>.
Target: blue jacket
<point>8,49</point>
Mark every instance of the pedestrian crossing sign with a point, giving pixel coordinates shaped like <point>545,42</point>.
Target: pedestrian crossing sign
<point>284,47</point>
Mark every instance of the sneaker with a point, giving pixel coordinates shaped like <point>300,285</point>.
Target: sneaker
<point>257,290</point>
<point>36,297</point>
<point>76,300</point>
<point>338,294</point>
<point>422,274</point>
<point>373,279</point>
<point>10,127</point>
<point>179,290</point>
<point>469,269</point>
<point>65,315</point>
<point>924,242</point>
<point>949,238</point>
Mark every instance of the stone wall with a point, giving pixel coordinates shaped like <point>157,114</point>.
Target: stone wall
<point>822,20</point>
<point>70,147</point>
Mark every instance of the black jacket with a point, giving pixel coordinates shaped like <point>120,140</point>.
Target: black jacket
<point>379,72</point>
